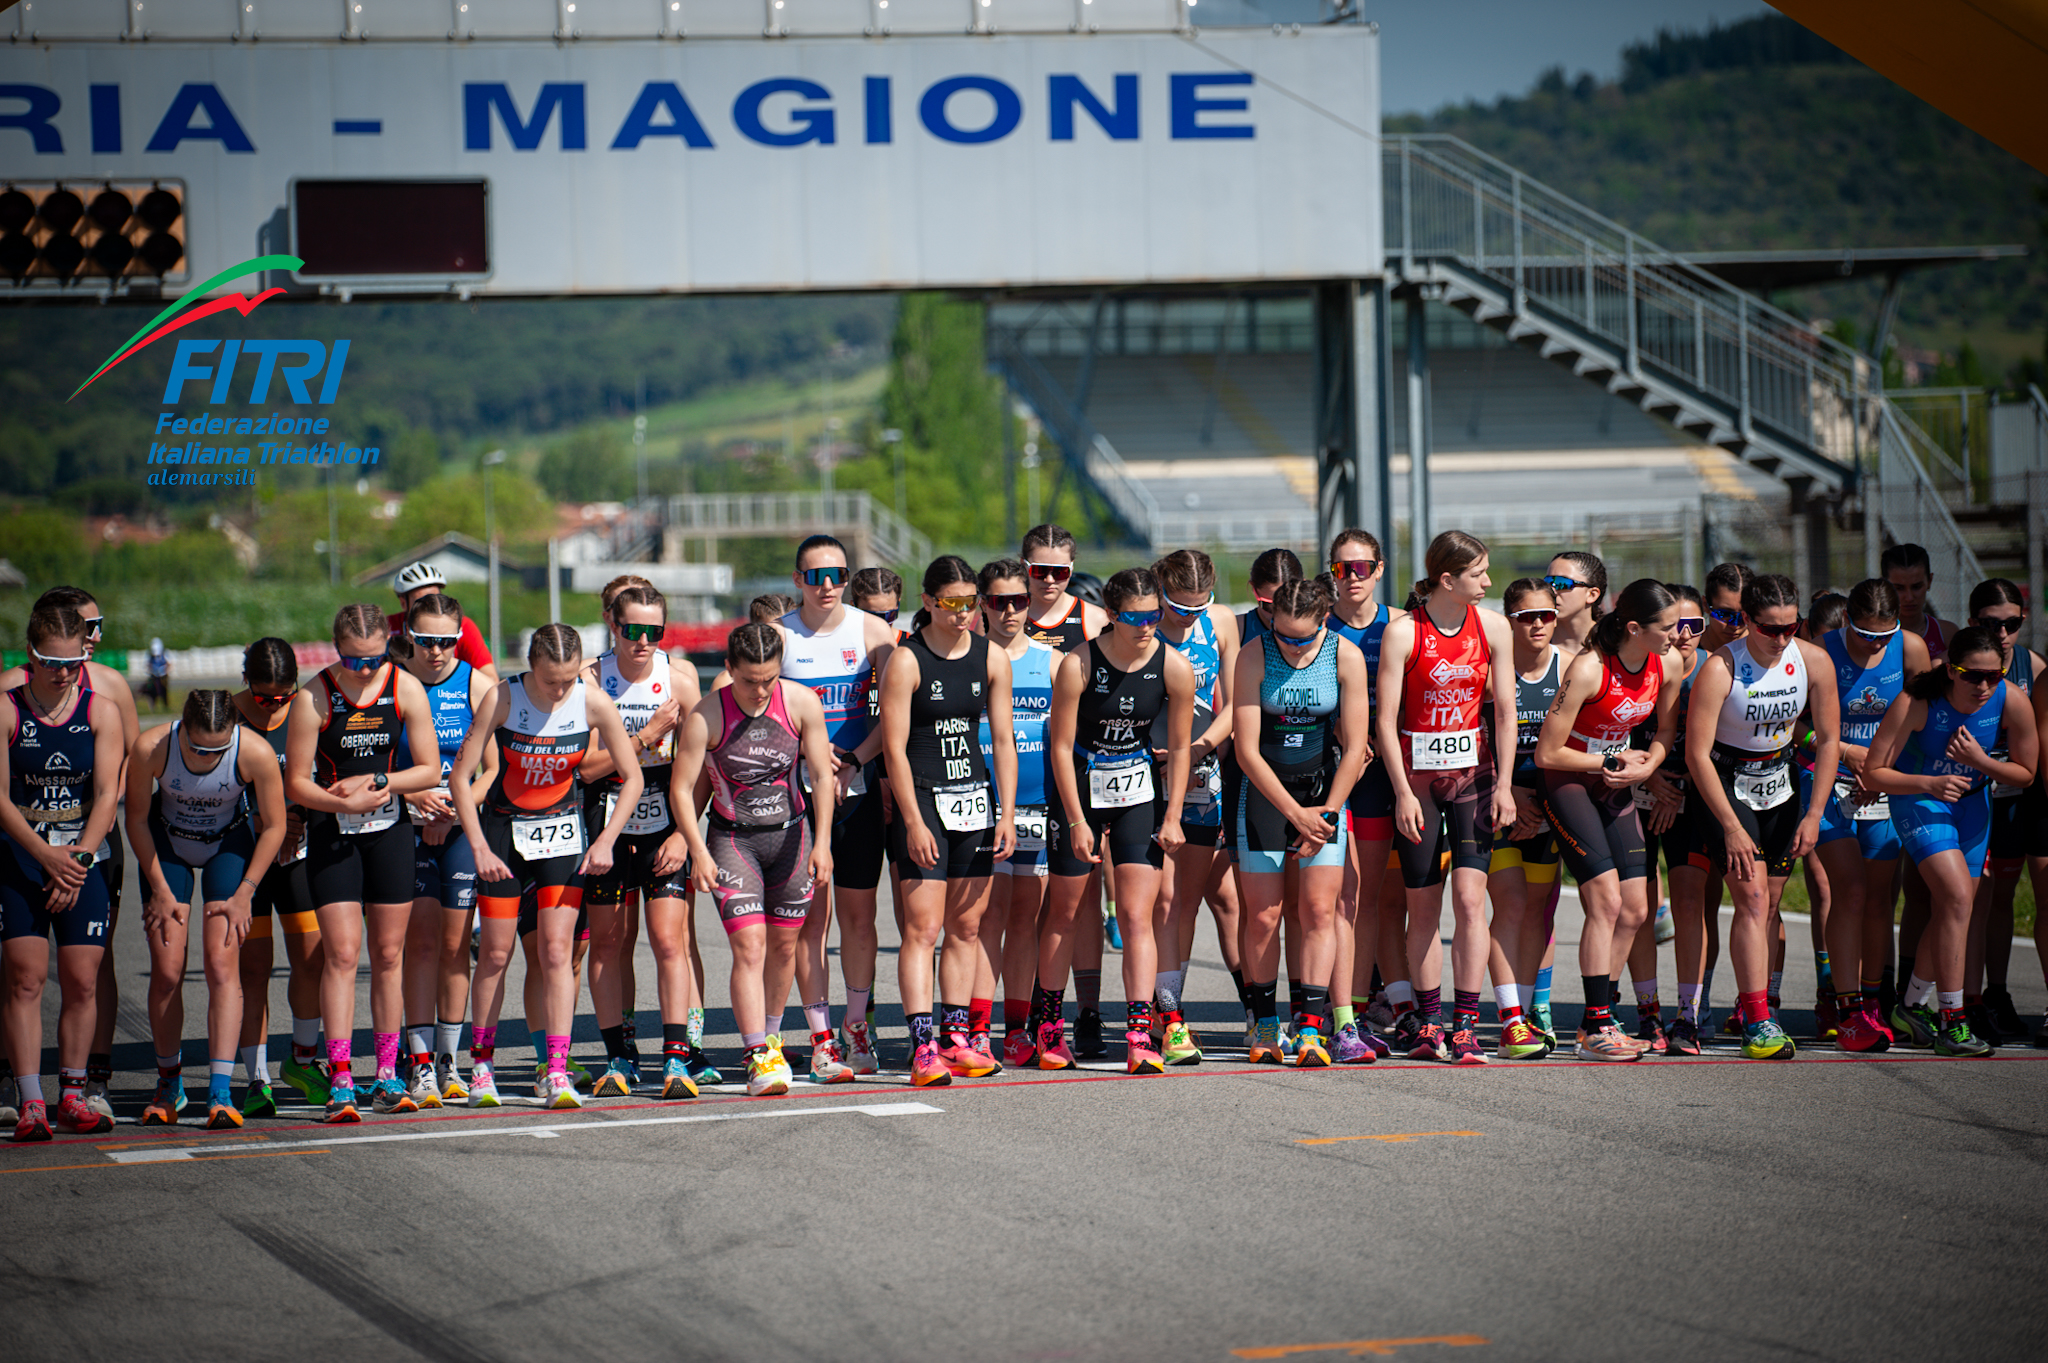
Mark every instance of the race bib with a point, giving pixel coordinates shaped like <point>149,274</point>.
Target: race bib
<point>965,808</point>
<point>1205,788</point>
<point>2001,791</point>
<point>68,837</point>
<point>376,821</point>
<point>1031,825</point>
<point>1122,784</point>
<point>1443,752</point>
<point>650,815</point>
<point>548,837</point>
<point>1602,747</point>
<point>1765,789</point>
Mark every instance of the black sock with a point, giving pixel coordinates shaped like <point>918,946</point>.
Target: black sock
<point>1613,995</point>
<point>1260,997</point>
<point>1244,1000</point>
<point>614,1041</point>
<point>1597,1014</point>
<point>99,1067</point>
<point>1315,1007</point>
<point>920,1029</point>
<point>675,1038</point>
<point>1285,989</point>
<point>955,1017</point>
<point>1378,982</point>
<point>1905,972</point>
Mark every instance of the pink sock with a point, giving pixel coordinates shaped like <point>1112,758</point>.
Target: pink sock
<point>338,1064</point>
<point>483,1042</point>
<point>387,1055</point>
<point>558,1054</point>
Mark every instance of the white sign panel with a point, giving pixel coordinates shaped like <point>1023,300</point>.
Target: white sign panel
<point>800,163</point>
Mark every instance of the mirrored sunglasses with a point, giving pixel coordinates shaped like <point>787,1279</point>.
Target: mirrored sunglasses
<point>1139,619</point>
<point>434,640</point>
<point>1050,572</point>
<point>1178,609</point>
<point>954,603</point>
<point>57,664</point>
<point>1775,631</point>
<point>1007,601</point>
<point>1360,568</point>
<point>1982,676</point>
<point>369,664</point>
<point>1535,615</point>
<point>819,577</point>
<point>1690,624</point>
<point>642,634</point>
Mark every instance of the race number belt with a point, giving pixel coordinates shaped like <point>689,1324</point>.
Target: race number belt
<point>1120,782</point>
<point>1031,828</point>
<point>965,808</point>
<point>1452,751</point>
<point>548,836</point>
<point>374,821</point>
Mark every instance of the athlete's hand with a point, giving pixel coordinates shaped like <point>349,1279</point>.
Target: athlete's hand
<point>1635,768</point>
<point>294,836</point>
<point>1309,827</point>
<point>821,862</point>
<point>363,798</point>
<point>436,834</point>
<point>669,858</point>
<point>1853,757</point>
<point>1808,836</point>
<point>1503,806</point>
<point>598,859</point>
<point>1172,839</point>
<point>1081,839</point>
<point>434,803</point>
<point>704,876</point>
<point>665,717</point>
<point>1741,852</point>
<point>923,847</point>
<point>59,867</point>
<point>60,897</point>
<point>490,867</point>
<point>1006,835</point>
<point>1964,748</point>
<point>1950,788</point>
<point>1408,817</point>
<point>237,911</point>
<point>1528,815</point>
<point>160,913</point>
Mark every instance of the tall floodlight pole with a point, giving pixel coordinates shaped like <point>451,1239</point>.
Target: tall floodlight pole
<point>894,439</point>
<point>491,461</point>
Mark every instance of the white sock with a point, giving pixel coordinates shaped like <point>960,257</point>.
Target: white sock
<point>1918,991</point>
<point>857,1003</point>
<point>256,1062</point>
<point>31,1087</point>
<point>170,1062</point>
<point>1506,996</point>
<point>447,1037</point>
<point>419,1040</point>
<point>305,1031</point>
<point>1171,982</point>
<point>819,1015</point>
<point>1689,1002</point>
<point>1951,1000</point>
<point>1400,992</point>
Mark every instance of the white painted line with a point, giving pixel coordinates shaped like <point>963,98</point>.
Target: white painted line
<point>906,1109</point>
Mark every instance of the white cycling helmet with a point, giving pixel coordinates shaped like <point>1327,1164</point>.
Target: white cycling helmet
<point>414,576</point>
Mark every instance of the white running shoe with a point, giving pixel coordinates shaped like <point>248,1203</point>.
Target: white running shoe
<point>559,1091</point>
<point>96,1098</point>
<point>858,1046</point>
<point>483,1085</point>
<point>449,1077</point>
<point>424,1089</point>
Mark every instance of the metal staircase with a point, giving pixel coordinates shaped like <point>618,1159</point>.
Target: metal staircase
<point>1555,276</point>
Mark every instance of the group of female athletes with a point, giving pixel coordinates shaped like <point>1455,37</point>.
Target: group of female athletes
<point>1314,770</point>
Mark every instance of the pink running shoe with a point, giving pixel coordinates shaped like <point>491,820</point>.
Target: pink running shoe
<point>1052,1047</point>
<point>1018,1050</point>
<point>1140,1057</point>
<point>1858,1031</point>
<point>1430,1043</point>
<point>979,1040</point>
<point>962,1060</point>
<point>927,1070</point>
<point>35,1122</point>
<point>1874,1012</point>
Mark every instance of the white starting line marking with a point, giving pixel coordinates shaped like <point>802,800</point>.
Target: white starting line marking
<point>200,1152</point>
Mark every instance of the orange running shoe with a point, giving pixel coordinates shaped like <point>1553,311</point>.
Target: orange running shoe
<point>927,1070</point>
<point>961,1059</point>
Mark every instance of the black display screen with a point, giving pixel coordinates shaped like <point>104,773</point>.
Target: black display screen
<point>391,227</point>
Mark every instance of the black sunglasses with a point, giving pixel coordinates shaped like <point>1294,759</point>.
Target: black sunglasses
<point>2003,624</point>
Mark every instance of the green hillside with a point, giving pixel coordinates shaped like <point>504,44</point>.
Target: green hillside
<point>1761,135</point>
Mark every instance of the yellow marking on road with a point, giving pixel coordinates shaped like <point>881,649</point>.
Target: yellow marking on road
<point>175,1159</point>
<point>1361,1348</point>
<point>1390,1137</point>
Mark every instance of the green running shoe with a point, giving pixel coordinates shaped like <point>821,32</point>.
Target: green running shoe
<point>310,1080</point>
<point>584,1080</point>
<point>1958,1041</point>
<point>259,1101</point>
<point>1180,1046</point>
<point>1766,1040</point>
<point>1913,1026</point>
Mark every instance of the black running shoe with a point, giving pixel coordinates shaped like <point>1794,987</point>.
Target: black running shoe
<point>1982,1025</point>
<point>1407,1031</point>
<point>2010,1024</point>
<point>1088,1036</point>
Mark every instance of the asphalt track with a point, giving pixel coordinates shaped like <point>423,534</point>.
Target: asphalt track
<point>1714,1208</point>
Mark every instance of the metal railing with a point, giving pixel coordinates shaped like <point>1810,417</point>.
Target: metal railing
<point>797,514</point>
<point>1086,450</point>
<point>1912,510</point>
<point>1662,314</point>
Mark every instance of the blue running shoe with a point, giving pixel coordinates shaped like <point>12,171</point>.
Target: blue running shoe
<point>168,1102</point>
<point>702,1071</point>
<point>632,1069</point>
<point>388,1095</point>
<point>675,1078</point>
<point>616,1081</point>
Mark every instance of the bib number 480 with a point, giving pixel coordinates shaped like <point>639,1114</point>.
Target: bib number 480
<point>1444,751</point>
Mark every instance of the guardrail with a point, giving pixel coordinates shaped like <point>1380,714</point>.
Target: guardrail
<point>797,514</point>
<point>1912,510</point>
